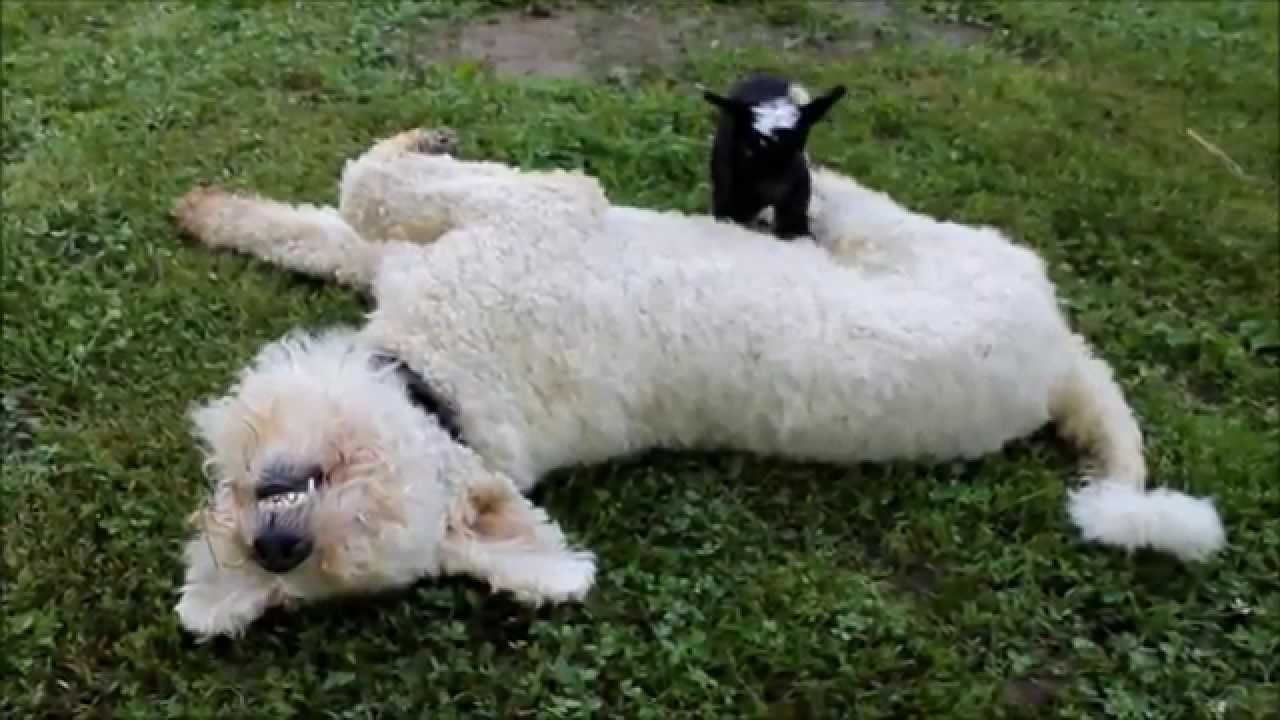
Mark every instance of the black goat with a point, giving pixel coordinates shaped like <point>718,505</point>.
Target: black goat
<point>758,158</point>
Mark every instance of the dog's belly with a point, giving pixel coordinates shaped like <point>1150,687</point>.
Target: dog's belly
<point>838,376</point>
<point>662,334</point>
<point>771,347</point>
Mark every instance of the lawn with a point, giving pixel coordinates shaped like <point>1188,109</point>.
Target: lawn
<point>1135,145</point>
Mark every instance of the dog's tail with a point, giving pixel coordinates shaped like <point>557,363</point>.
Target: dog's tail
<point>1114,507</point>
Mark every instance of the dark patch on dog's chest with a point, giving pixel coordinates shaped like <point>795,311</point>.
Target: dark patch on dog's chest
<point>426,397</point>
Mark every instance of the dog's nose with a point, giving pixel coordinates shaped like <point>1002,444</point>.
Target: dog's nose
<point>280,550</point>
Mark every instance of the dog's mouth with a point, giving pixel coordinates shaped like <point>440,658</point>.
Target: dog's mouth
<point>285,500</point>
<point>287,487</point>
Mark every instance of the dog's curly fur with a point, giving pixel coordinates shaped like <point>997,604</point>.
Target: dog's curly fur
<point>565,330</point>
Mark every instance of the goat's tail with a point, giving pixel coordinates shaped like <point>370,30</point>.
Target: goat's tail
<point>308,239</point>
<point>1114,507</point>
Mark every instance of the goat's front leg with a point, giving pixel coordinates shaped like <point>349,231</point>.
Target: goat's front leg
<point>721,191</point>
<point>308,239</point>
<point>729,203</point>
<point>791,214</point>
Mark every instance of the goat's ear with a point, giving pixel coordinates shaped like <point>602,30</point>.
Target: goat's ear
<point>816,109</point>
<point>728,105</point>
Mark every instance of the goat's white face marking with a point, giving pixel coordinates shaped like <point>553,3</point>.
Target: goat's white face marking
<point>778,113</point>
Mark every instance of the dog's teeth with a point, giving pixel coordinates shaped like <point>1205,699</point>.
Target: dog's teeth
<point>283,501</point>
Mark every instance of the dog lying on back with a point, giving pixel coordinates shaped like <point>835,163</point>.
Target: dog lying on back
<point>757,160</point>
<point>523,323</point>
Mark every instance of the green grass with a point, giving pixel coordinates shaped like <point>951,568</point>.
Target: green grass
<point>731,586</point>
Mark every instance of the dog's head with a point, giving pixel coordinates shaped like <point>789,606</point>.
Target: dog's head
<point>330,479</point>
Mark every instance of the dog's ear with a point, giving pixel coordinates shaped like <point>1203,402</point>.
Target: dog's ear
<point>496,535</point>
<point>227,432</point>
<point>817,108</point>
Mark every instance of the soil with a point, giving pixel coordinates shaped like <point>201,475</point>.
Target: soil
<point>618,43</point>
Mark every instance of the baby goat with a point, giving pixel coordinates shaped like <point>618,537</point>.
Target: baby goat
<point>758,158</point>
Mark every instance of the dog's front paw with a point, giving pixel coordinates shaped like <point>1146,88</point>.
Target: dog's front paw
<point>205,613</point>
<point>555,581</point>
<point>571,580</point>
<point>200,622</point>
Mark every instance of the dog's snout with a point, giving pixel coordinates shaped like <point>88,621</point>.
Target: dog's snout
<point>279,550</point>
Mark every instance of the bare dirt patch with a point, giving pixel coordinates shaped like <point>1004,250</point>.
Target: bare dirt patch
<point>1041,688</point>
<point>623,41</point>
<point>918,580</point>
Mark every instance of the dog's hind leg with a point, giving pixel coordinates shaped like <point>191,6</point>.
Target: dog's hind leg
<point>305,238</point>
<point>427,141</point>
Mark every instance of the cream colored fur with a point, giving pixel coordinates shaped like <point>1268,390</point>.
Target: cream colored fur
<point>572,331</point>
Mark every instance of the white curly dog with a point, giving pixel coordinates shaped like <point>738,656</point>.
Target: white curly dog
<point>522,324</point>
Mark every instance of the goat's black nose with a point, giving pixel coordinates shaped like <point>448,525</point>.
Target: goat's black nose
<point>280,550</point>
